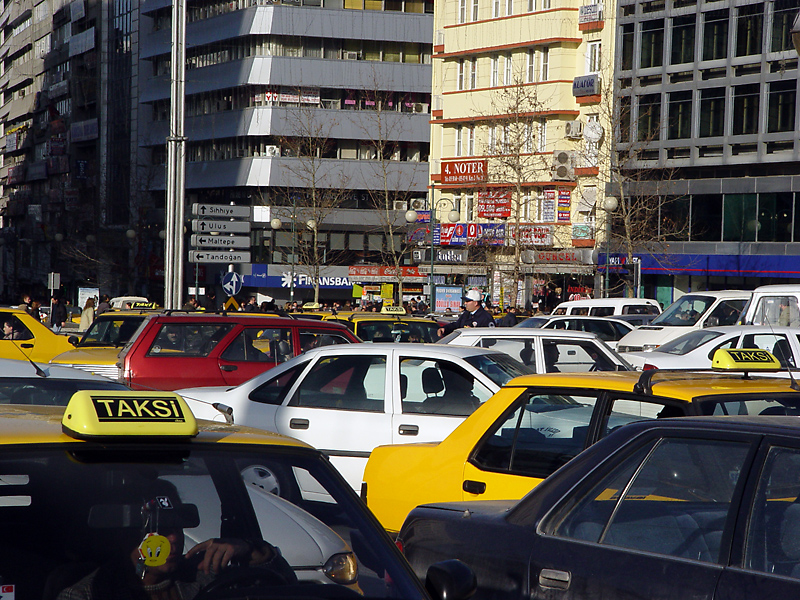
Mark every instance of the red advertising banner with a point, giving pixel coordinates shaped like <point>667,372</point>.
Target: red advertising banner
<point>382,271</point>
<point>464,172</point>
<point>494,204</point>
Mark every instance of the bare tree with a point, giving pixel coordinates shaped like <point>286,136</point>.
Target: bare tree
<point>320,185</point>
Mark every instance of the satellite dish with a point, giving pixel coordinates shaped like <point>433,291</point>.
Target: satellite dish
<point>593,131</point>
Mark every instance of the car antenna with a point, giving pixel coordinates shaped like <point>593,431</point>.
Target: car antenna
<point>36,367</point>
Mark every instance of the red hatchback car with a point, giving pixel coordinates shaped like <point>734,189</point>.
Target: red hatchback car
<point>200,349</point>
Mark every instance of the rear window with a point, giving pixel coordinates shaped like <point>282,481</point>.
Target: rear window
<point>50,391</point>
<point>688,342</point>
<point>111,332</point>
<point>498,367</point>
<point>188,339</point>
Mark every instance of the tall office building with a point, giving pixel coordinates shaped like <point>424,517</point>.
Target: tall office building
<point>711,94</point>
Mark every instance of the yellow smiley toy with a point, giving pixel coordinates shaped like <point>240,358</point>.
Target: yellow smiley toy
<point>154,549</point>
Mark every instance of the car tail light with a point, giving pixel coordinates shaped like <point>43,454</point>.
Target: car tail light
<point>399,543</point>
<point>648,367</point>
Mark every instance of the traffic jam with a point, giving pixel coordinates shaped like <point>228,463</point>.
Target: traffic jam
<point>606,449</point>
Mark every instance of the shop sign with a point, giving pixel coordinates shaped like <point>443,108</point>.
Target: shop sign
<point>463,234</point>
<point>56,146</point>
<point>451,255</point>
<point>561,257</point>
<point>16,174</point>
<point>586,85</point>
<point>464,172</point>
<point>564,204</point>
<point>494,204</point>
<point>448,297</point>
<point>549,206</point>
<point>535,235</point>
<point>590,13</point>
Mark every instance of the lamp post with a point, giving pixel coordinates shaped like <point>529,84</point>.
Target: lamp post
<point>610,204</point>
<point>276,224</point>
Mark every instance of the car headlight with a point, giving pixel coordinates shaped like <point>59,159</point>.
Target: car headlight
<point>341,568</point>
<point>649,347</point>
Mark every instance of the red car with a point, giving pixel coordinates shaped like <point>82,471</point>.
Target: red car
<point>196,349</point>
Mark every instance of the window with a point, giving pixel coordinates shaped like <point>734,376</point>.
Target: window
<point>531,70</point>
<point>782,19</point>
<point>541,142</point>
<point>462,11</point>
<point>683,29</point>
<point>473,74</point>
<point>439,387</point>
<point>739,218</point>
<point>564,356</point>
<point>458,140</point>
<point>628,39</point>
<point>492,138</point>
<point>273,391</point>
<point>531,440</point>
<point>680,115</point>
<point>749,27</point>
<point>649,118</point>
<point>545,4</point>
<point>344,383</point>
<point>495,8</point>
<point>461,74</point>
<point>508,78</point>
<point>712,112</point>
<point>715,35</point>
<point>509,7</point>
<point>781,116</point>
<point>681,501</point>
<point>495,71</point>
<point>256,345</point>
<point>592,57</point>
<point>777,310</point>
<point>475,10</point>
<point>592,147</point>
<point>775,217</point>
<point>777,344</point>
<point>470,141</point>
<point>652,48</point>
<point>531,5</point>
<point>745,109</point>
<point>544,58</point>
<point>187,339</point>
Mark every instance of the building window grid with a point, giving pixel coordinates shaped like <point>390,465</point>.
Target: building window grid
<point>495,71</point>
<point>593,57</point>
<point>544,64</point>
<point>473,74</point>
<point>475,10</point>
<point>508,78</point>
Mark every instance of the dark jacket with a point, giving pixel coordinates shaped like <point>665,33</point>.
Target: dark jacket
<point>508,320</point>
<point>58,315</point>
<point>480,318</point>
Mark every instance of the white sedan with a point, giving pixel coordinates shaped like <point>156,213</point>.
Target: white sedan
<point>695,349</point>
<point>348,399</point>
<point>608,329</point>
<point>544,350</point>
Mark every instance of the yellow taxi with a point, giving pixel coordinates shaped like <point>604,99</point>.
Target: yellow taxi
<point>25,338</point>
<point>123,492</point>
<point>391,324</point>
<point>537,423</point>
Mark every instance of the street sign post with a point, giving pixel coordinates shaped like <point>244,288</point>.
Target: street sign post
<point>218,256</point>
<point>220,241</point>
<point>221,211</point>
<point>232,283</point>
<point>206,226</point>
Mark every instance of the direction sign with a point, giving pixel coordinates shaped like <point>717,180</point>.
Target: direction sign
<point>221,211</point>
<point>232,283</point>
<point>218,256</point>
<point>206,226</point>
<point>220,241</point>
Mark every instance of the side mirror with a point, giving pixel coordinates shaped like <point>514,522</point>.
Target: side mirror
<point>73,339</point>
<point>450,580</point>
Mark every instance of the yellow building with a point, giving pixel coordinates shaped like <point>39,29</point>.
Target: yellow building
<point>521,110</point>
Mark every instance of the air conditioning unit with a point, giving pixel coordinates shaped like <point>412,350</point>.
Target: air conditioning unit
<point>418,204</point>
<point>351,55</point>
<point>273,150</point>
<point>420,107</point>
<point>400,205</point>
<point>563,167</point>
<point>573,129</point>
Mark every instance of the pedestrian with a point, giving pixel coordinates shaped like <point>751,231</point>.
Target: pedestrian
<point>87,315</point>
<point>210,301</point>
<point>105,304</point>
<point>58,314</point>
<point>474,315</point>
<point>26,303</point>
<point>190,305</point>
<point>509,319</point>
<point>250,305</point>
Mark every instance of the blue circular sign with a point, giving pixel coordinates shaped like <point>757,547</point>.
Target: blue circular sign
<point>232,283</point>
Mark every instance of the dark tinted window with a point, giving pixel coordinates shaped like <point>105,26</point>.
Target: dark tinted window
<point>50,391</point>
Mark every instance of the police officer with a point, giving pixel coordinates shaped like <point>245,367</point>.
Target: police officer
<point>474,314</point>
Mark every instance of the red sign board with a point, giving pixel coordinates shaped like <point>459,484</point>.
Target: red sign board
<point>464,172</point>
<point>494,204</point>
<point>382,271</point>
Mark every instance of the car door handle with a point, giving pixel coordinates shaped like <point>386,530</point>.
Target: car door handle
<point>473,487</point>
<point>554,579</point>
<point>298,423</point>
<point>26,345</point>
<point>408,430</point>
<point>228,367</point>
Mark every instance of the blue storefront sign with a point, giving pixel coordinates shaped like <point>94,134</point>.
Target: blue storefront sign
<point>733,265</point>
<point>280,276</point>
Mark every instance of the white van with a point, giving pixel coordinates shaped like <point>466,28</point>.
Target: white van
<point>691,311</point>
<point>777,305</point>
<point>608,307</point>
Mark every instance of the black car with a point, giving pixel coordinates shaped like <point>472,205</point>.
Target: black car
<point>698,507</point>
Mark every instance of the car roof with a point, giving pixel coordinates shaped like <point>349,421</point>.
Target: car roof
<point>780,424</point>
<point>779,287</point>
<point>681,385</point>
<point>261,319</point>
<point>451,350</point>
<point>23,368</point>
<point>724,329</point>
<point>42,425</point>
<point>608,302</point>
<point>523,332</point>
<point>593,318</point>
<point>722,294</point>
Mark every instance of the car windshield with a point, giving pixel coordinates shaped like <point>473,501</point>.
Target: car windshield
<point>687,342</point>
<point>685,311</point>
<point>80,510</point>
<point>398,331</point>
<point>500,368</point>
<point>114,331</point>
<point>533,322</point>
<point>50,391</point>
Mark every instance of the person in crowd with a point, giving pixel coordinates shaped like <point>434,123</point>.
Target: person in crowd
<point>251,305</point>
<point>105,304</point>
<point>509,319</point>
<point>474,315</point>
<point>190,305</point>
<point>87,314</point>
<point>210,301</point>
<point>26,303</point>
<point>8,330</point>
<point>58,314</point>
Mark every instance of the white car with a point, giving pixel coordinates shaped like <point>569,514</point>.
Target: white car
<point>608,329</point>
<point>544,350</point>
<point>348,399</point>
<point>695,349</point>
<point>689,312</point>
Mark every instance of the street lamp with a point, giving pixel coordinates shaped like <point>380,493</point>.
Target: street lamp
<point>276,224</point>
<point>610,204</point>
